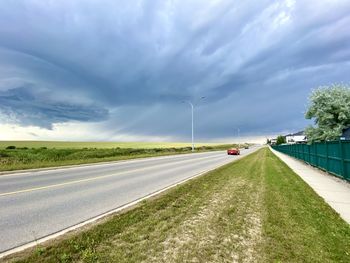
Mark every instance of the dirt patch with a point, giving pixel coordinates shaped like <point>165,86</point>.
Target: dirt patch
<point>227,228</point>
<point>197,231</point>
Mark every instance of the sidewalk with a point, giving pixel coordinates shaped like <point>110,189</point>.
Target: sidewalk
<point>335,191</point>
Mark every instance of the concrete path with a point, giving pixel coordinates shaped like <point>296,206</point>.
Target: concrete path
<point>335,191</point>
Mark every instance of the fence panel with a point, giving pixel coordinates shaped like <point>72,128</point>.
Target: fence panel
<point>333,156</point>
<point>321,155</point>
<point>346,159</point>
<point>313,155</point>
<point>307,153</point>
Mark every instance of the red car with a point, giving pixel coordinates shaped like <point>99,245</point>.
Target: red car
<point>233,151</point>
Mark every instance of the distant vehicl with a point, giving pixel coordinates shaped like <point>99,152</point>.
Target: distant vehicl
<point>233,151</point>
<point>246,147</point>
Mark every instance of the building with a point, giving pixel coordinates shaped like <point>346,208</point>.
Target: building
<point>346,134</point>
<point>298,137</point>
<point>273,141</point>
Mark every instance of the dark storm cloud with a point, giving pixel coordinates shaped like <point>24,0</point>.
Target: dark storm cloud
<point>255,62</point>
<point>28,108</point>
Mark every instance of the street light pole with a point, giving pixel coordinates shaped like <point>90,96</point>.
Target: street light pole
<point>192,128</point>
<point>238,131</point>
<point>192,120</point>
<point>191,104</point>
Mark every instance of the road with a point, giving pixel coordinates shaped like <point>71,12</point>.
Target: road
<point>37,204</point>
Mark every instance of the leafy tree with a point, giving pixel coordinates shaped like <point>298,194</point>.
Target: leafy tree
<point>280,140</point>
<point>329,107</point>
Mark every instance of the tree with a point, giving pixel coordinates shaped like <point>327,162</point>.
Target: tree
<point>329,107</point>
<point>280,140</point>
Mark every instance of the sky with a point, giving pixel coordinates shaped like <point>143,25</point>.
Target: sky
<point>120,70</point>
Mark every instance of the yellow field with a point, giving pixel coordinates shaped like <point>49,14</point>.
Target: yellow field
<point>65,144</point>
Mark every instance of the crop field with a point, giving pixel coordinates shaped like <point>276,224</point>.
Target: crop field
<point>99,145</point>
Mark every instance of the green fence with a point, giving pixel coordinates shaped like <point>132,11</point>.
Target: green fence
<point>333,156</point>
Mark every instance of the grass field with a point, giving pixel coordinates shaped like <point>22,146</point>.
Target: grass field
<point>99,145</point>
<point>252,210</point>
<point>26,158</point>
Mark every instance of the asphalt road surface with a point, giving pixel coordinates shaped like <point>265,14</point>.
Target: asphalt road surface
<point>37,204</point>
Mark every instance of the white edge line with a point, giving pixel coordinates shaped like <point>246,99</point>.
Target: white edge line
<point>57,234</point>
<point>94,219</point>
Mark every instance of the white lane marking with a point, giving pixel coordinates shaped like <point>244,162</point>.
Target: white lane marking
<point>102,176</point>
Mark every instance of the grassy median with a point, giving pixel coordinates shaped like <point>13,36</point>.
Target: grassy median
<point>252,210</point>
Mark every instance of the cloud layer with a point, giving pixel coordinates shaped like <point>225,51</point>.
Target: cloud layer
<point>24,107</point>
<point>125,66</point>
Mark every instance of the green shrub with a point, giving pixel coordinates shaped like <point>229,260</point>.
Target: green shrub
<point>11,147</point>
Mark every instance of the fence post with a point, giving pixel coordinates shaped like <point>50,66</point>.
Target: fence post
<point>302,152</point>
<point>327,162</point>
<point>342,159</point>
<point>316,155</point>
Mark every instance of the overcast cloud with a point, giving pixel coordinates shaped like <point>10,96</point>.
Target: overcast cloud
<point>118,70</point>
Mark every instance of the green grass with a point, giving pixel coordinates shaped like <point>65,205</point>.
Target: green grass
<point>252,210</point>
<point>25,158</point>
<point>104,145</point>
